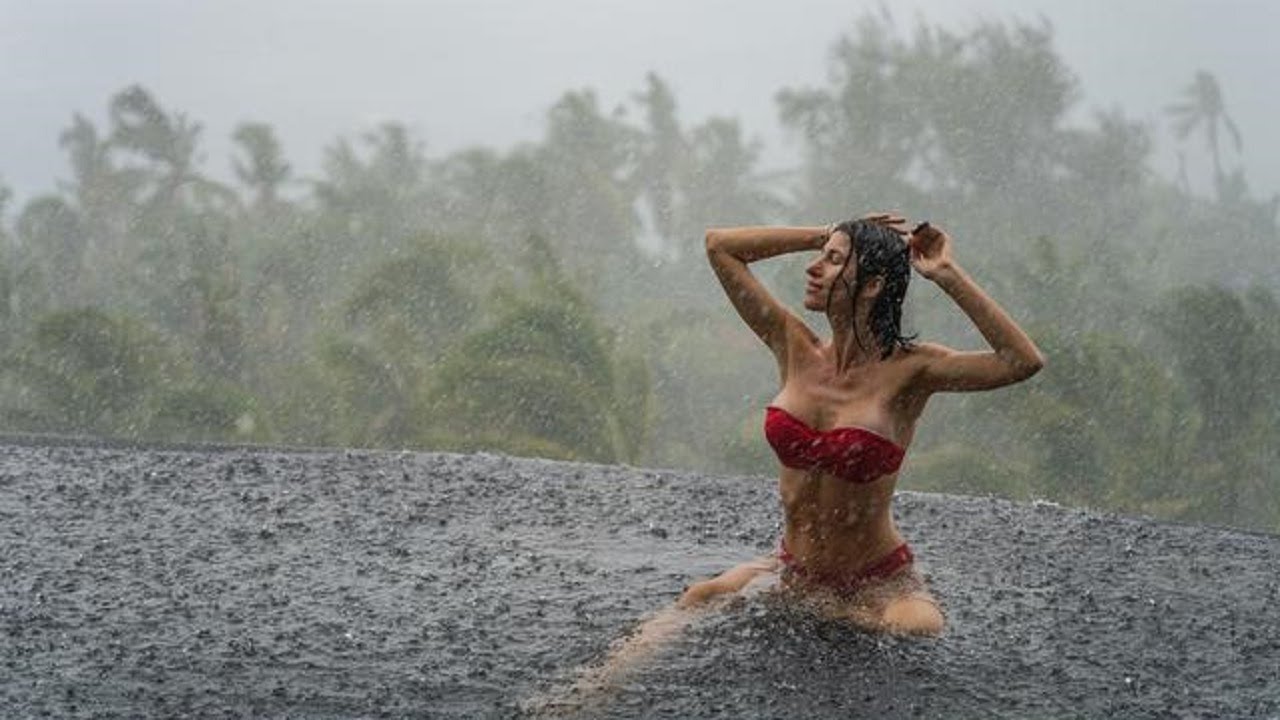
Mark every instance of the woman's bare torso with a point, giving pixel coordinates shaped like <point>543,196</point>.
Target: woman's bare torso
<point>831,524</point>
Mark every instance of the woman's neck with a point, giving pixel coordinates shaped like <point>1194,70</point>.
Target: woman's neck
<point>853,348</point>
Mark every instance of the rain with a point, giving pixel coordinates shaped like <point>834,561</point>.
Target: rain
<point>365,360</point>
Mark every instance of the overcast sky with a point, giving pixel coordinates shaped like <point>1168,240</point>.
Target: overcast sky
<point>466,72</point>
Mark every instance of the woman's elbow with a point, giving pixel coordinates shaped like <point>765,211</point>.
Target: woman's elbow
<point>713,238</point>
<point>1017,367</point>
<point>1026,367</point>
<point>1038,360</point>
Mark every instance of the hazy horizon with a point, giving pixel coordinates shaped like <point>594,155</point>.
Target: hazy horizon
<point>460,74</point>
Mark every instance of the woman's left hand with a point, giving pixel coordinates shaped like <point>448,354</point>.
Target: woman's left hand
<point>891,220</point>
<point>930,250</point>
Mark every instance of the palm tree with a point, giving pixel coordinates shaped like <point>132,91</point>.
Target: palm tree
<point>91,166</point>
<point>169,143</point>
<point>1202,106</point>
<point>662,158</point>
<point>263,169</point>
<point>105,195</point>
<point>547,378</point>
<point>376,197</point>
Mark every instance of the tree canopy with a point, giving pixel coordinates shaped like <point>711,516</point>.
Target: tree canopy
<point>551,298</point>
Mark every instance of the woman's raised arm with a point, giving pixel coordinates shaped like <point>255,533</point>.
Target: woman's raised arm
<point>1013,356</point>
<point>730,250</point>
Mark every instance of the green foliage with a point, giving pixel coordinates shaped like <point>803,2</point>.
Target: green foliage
<point>190,287</point>
<point>395,325</point>
<point>631,408</point>
<point>1224,348</point>
<point>968,470</point>
<point>1102,419</point>
<point>861,134</point>
<point>83,371</point>
<point>542,376</point>
<point>263,169</point>
<point>1217,351</point>
<point>145,299</point>
<point>206,411</point>
<point>167,143</point>
<point>50,230</point>
<point>373,201</point>
<point>1203,106</point>
<point>372,398</point>
<point>1104,425</point>
<point>417,297</point>
<point>516,403</point>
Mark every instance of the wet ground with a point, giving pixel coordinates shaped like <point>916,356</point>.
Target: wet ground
<point>143,582</point>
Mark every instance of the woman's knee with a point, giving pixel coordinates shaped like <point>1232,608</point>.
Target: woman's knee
<point>695,594</point>
<point>727,582</point>
<point>913,616</point>
<point>700,592</point>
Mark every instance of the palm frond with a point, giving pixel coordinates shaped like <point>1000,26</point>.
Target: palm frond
<point>1235,131</point>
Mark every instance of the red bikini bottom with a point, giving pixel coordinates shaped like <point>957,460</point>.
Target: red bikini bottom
<point>848,583</point>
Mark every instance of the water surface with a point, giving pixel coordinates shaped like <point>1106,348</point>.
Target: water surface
<point>232,582</point>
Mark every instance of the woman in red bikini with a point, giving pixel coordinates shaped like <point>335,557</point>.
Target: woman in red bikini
<point>841,422</point>
<point>848,406</point>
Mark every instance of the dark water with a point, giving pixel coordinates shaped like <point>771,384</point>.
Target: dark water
<point>142,582</point>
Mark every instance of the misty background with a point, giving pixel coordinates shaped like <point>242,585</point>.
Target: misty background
<point>478,226</point>
<point>461,73</point>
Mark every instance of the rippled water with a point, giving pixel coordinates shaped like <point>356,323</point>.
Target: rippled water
<point>229,582</point>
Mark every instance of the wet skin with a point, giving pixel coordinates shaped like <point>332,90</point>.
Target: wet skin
<point>831,524</point>
<point>834,527</point>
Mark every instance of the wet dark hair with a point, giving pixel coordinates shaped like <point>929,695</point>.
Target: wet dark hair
<point>880,252</point>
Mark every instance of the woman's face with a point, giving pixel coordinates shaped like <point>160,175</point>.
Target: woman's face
<point>823,272</point>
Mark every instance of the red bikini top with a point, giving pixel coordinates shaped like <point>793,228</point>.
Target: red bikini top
<point>852,453</point>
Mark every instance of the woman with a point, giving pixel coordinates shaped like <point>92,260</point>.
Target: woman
<point>842,420</point>
<point>847,406</point>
